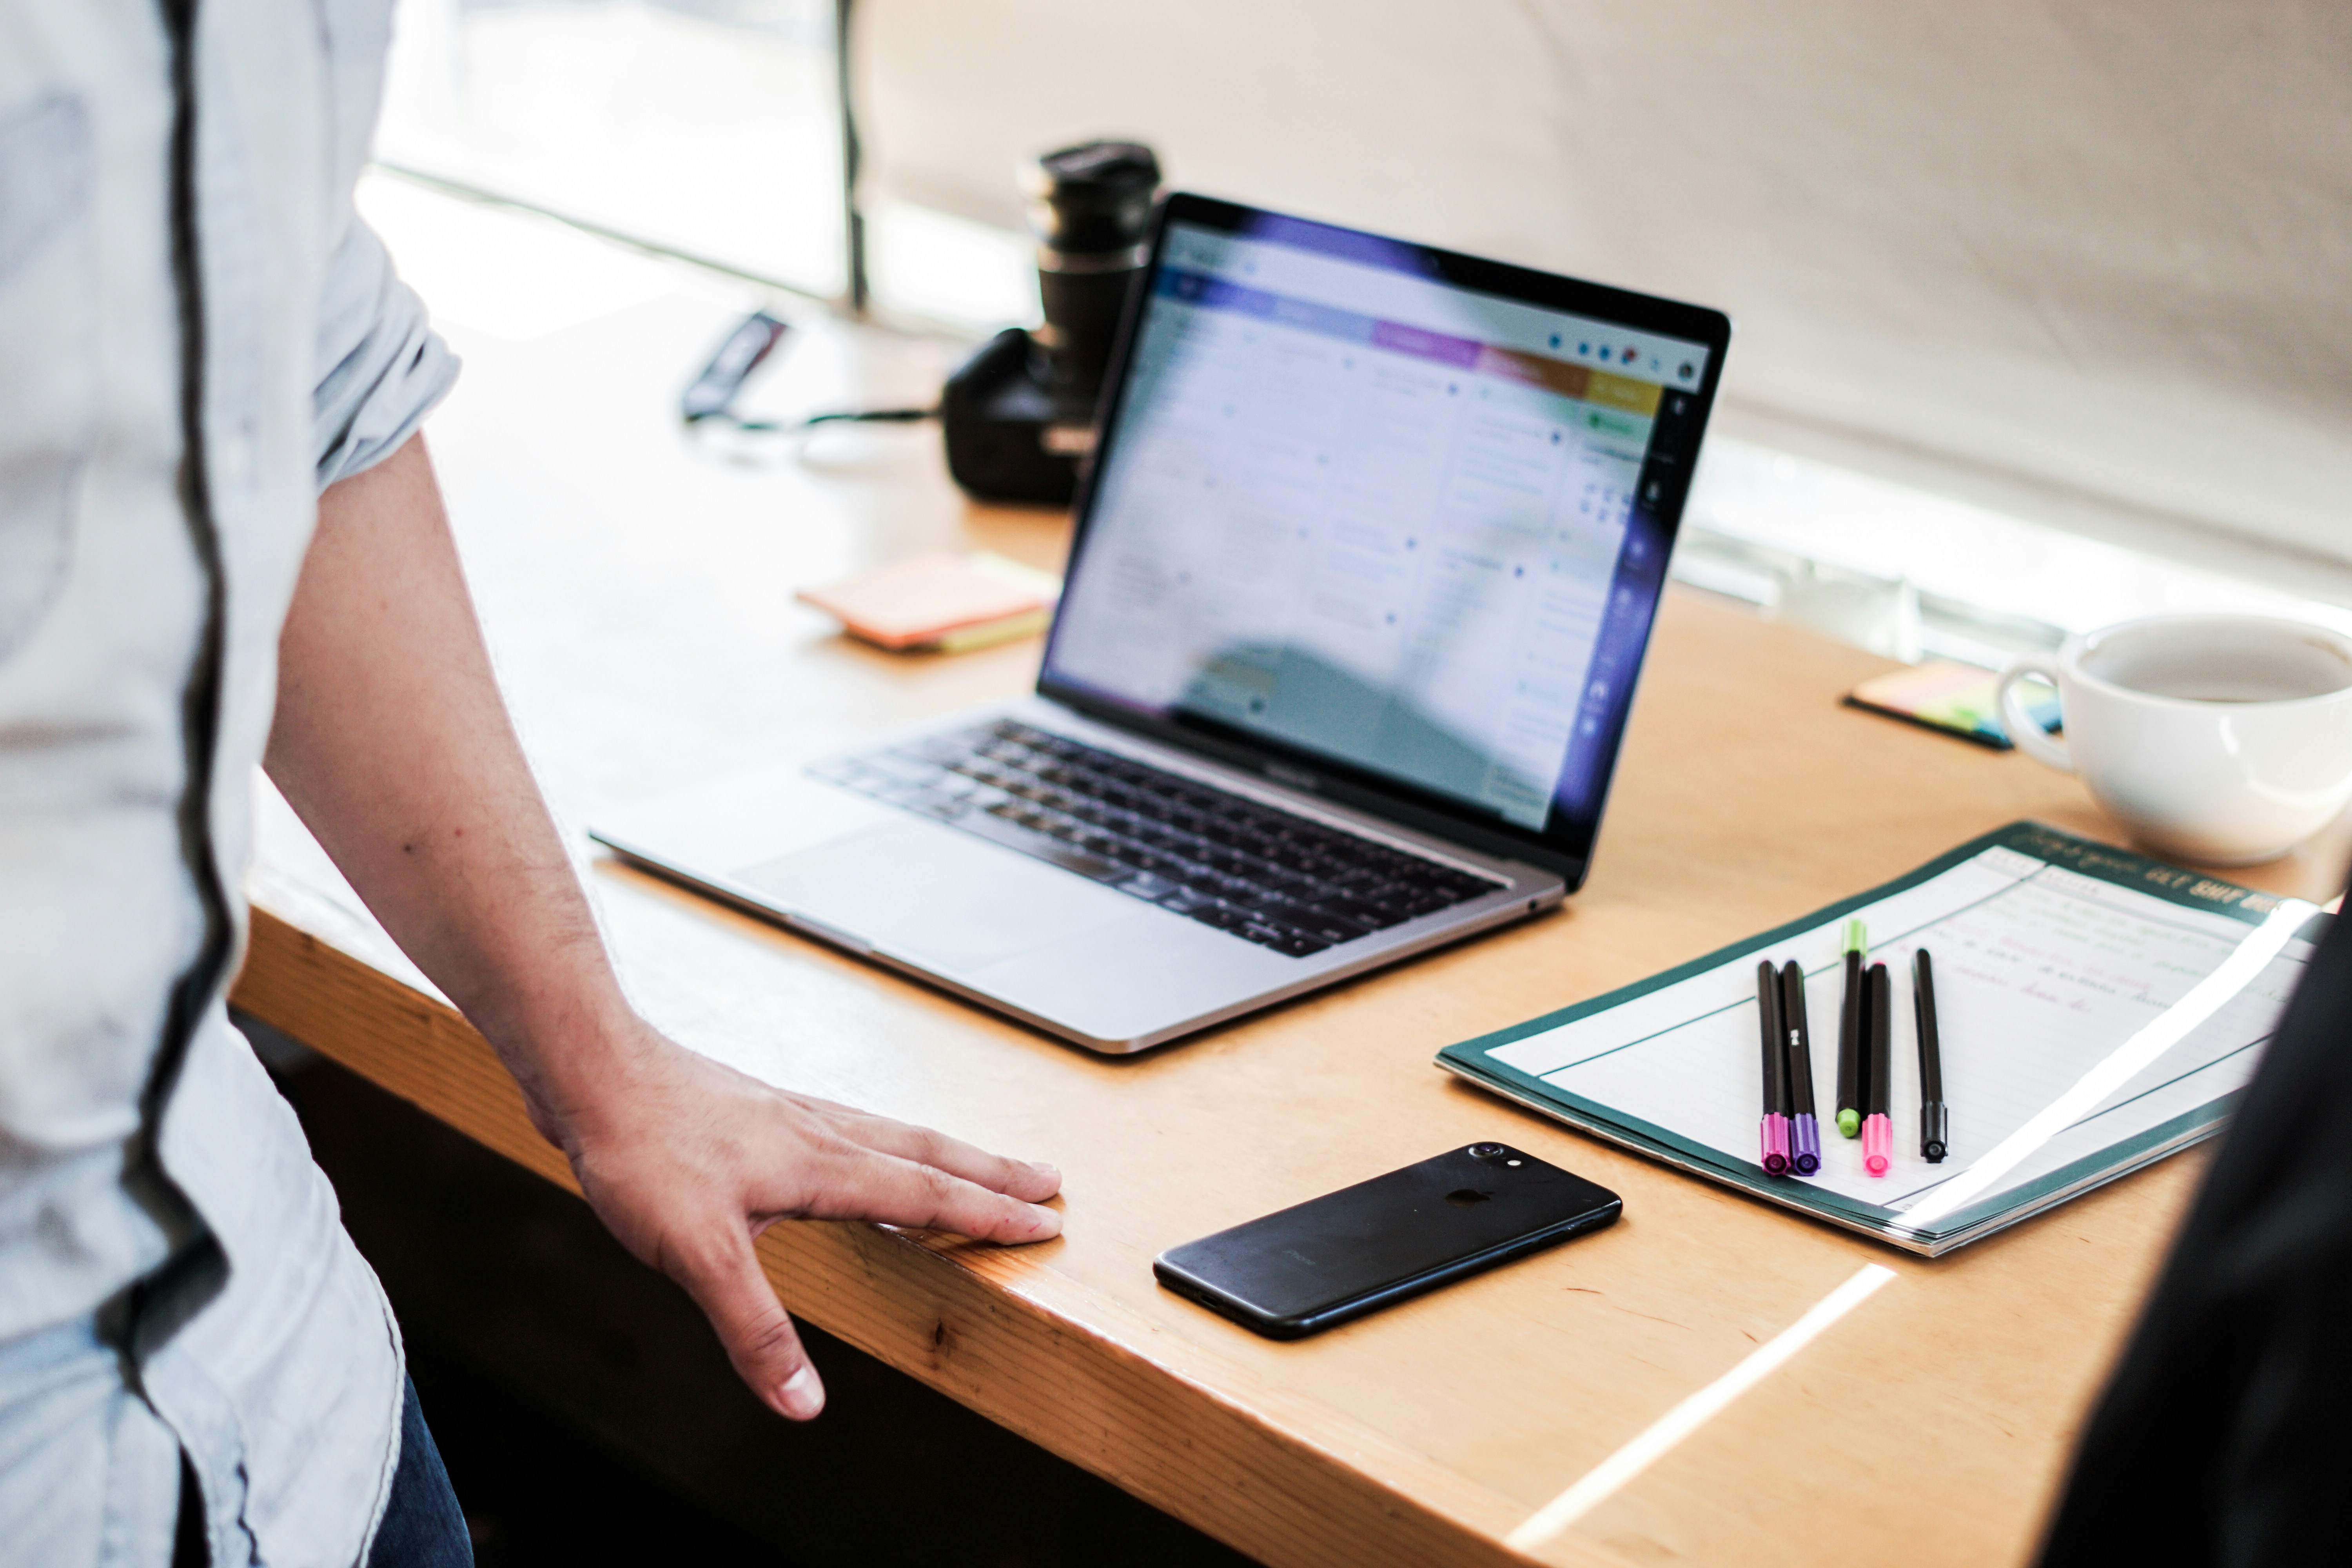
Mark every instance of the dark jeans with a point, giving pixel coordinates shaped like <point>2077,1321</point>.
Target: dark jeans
<point>422,1527</point>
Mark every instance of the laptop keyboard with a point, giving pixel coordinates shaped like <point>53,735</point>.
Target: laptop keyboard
<point>1262,874</point>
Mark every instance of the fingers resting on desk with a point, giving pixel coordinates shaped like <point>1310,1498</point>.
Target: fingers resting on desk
<point>691,1160</point>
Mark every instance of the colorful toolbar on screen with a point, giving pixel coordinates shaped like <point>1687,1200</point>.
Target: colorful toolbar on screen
<point>1584,383</point>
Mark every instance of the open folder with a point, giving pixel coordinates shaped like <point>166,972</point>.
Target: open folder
<point>2097,1011</point>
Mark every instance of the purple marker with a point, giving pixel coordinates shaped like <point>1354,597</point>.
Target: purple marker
<point>1805,1131</point>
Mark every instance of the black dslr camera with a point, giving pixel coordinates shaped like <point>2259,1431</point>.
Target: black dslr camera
<point>1019,415</point>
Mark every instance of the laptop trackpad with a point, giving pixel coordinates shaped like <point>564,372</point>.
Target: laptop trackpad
<point>938,896</point>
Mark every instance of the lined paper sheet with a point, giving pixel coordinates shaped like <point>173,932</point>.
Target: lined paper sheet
<point>2041,972</point>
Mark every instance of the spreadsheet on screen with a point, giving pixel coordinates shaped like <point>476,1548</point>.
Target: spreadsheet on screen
<point>1366,513</point>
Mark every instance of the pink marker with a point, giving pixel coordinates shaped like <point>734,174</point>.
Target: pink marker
<point>1774,1131</point>
<point>1877,1144</point>
<point>1877,1126</point>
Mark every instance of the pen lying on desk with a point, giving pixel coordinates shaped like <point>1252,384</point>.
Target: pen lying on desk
<point>1877,1126</point>
<point>1805,1131</point>
<point>1935,1117</point>
<point>1774,1133</point>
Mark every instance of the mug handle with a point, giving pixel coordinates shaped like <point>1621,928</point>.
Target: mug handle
<point>2030,737</point>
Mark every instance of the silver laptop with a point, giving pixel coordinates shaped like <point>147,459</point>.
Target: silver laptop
<point>1364,570</point>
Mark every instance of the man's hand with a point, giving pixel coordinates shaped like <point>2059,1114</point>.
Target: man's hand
<point>687,1160</point>
<point>392,743</point>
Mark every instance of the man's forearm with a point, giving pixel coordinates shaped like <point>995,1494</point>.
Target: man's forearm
<point>393,744</point>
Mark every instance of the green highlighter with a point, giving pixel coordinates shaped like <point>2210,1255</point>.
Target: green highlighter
<point>1850,1030</point>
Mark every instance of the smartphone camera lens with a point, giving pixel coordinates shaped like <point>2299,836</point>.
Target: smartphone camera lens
<point>1487,1151</point>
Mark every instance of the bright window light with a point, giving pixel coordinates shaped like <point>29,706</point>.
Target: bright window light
<point>705,127</point>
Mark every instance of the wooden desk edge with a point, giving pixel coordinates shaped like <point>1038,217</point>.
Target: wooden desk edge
<point>1178,1444</point>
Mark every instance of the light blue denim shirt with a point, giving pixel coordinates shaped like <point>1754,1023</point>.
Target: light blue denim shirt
<point>196,336</point>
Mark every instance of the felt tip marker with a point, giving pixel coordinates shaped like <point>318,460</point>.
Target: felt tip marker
<point>1851,1028</point>
<point>1773,1136</point>
<point>1805,1131</point>
<point>1877,1126</point>
<point>1935,1115</point>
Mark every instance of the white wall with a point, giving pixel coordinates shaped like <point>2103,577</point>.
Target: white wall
<point>2102,245</point>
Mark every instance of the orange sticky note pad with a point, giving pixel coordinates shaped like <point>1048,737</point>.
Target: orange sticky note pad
<point>937,600</point>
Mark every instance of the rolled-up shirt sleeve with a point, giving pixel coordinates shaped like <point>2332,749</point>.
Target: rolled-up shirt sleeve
<point>382,367</point>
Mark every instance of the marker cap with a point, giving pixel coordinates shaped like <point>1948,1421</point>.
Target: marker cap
<point>1934,1132</point>
<point>1850,1122</point>
<point>1877,1144</point>
<point>1774,1135</point>
<point>1804,1144</point>
<point>1857,937</point>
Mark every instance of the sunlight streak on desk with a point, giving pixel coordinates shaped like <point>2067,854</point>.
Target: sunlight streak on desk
<point>1604,1480</point>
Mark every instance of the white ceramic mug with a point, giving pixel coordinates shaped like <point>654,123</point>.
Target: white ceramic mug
<point>2222,739</point>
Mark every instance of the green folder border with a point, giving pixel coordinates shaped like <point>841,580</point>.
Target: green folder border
<point>2191,890</point>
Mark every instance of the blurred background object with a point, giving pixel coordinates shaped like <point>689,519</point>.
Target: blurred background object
<point>1019,415</point>
<point>707,128</point>
<point>2033,297</point>
<point>1882,617</point>
<point>2037,300</point>
<point>2086,244</point>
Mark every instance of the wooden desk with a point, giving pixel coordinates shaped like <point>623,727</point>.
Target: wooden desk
<point>636,589</point>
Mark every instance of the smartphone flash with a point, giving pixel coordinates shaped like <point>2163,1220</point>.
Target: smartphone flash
<point>1510,1162</point>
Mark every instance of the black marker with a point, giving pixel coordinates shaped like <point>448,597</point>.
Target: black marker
<point>1805,1131</point>
<point>1935,1115</point>
<point>1850,1032</point>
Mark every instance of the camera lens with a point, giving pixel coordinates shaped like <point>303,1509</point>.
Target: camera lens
<point>1487,1151</point>
<point>1093,198</point>
<point>1091,207</point>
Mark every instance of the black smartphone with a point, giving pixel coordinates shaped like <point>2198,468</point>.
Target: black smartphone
<point>1351,1252</point>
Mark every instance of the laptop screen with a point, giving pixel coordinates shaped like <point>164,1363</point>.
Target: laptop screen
<point>1364,503</point>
